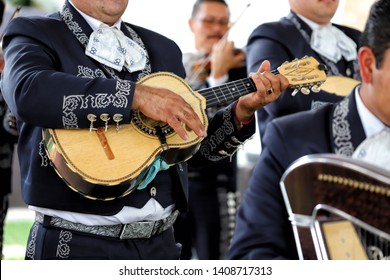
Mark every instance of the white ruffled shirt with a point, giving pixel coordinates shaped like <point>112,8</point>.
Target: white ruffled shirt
<point>331,42</point>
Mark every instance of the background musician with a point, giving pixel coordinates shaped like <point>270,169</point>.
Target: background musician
<point>206,228</point>
<point>306,30</point>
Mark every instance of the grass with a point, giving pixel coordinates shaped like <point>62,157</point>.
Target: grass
<point>15,238</point>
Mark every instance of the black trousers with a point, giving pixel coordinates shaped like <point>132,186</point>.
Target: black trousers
<point>51,243</point>
<point>199,229</point>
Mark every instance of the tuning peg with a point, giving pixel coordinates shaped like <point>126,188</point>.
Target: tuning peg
<point>92,119</point>
<point>305,90</point>
<point>294,92</point>
<point>105,117</point>
<point>117,118</point>
<point>315,88</point>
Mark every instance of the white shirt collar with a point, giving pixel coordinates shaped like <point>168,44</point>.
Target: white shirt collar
<point>371,124</point>
<point>94,23</point>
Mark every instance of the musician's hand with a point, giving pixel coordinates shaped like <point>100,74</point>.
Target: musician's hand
<point>166,106</point>
<point>269,88</point>
<point>224,57</point>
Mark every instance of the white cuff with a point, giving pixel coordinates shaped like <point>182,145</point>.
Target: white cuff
<point>217,81</point>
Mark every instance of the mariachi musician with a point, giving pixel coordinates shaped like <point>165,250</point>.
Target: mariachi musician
<point>215,62</point>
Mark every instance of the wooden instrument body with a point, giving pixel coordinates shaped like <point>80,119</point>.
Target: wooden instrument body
<point>81,160</point>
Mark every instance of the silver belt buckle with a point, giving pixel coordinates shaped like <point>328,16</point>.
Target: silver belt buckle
<point>137,230</point>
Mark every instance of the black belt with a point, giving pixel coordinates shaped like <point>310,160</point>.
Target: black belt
<point>134,230</point>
